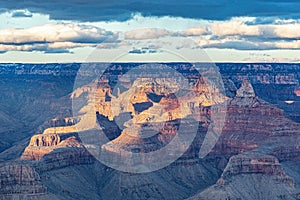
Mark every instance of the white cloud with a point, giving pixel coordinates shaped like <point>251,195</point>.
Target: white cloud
<point>195,31</point>
<point>55,36</point>
<point>240,35</point>
<point>234,27</point>
<point>288,31</point>
<point>56,33</point>
<point>284,29</point>
<point>43,47</point>
<point>146,33</point>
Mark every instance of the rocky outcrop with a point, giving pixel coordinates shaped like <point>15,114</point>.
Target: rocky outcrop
<point>245,91</point>
<point>48,140</point>
<point>45,153</point>
<point>53,151</point>
<point>251,176</point>
<point>245,97</point>
<point>253,163</point>
<point>251,122</point>
<point>45,143</point>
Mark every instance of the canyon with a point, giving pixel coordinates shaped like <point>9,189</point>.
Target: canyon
<point>45,156</point>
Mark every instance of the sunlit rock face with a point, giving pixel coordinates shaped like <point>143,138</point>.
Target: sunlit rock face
<point>45,143</point>
<point>157,106</point>
<point>53,151</point>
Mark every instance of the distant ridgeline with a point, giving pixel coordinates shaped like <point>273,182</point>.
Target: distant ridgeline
<point>267,73</point>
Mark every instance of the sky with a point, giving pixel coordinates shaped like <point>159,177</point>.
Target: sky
<point>36,31</point>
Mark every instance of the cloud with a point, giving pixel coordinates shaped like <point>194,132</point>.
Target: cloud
<point>234,27</point>
<point>21,13</point>
<point>238,34</point>
<point>283,29</point>
<point>195,31</point>
<point>57,33</point>
<point>146,33</point>
<point>242,44</point>
<point>45,47</point>
<point>55,37</point>
<point>119,10</point>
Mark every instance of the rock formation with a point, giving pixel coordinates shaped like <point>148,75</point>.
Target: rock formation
<point>245,91</point>
<point>251,176</point>
<point>243,131</point>
<point>45,143</point>
<point>56,151</point>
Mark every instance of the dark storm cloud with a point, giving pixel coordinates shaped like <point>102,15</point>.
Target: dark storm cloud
<point>120,10</point>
